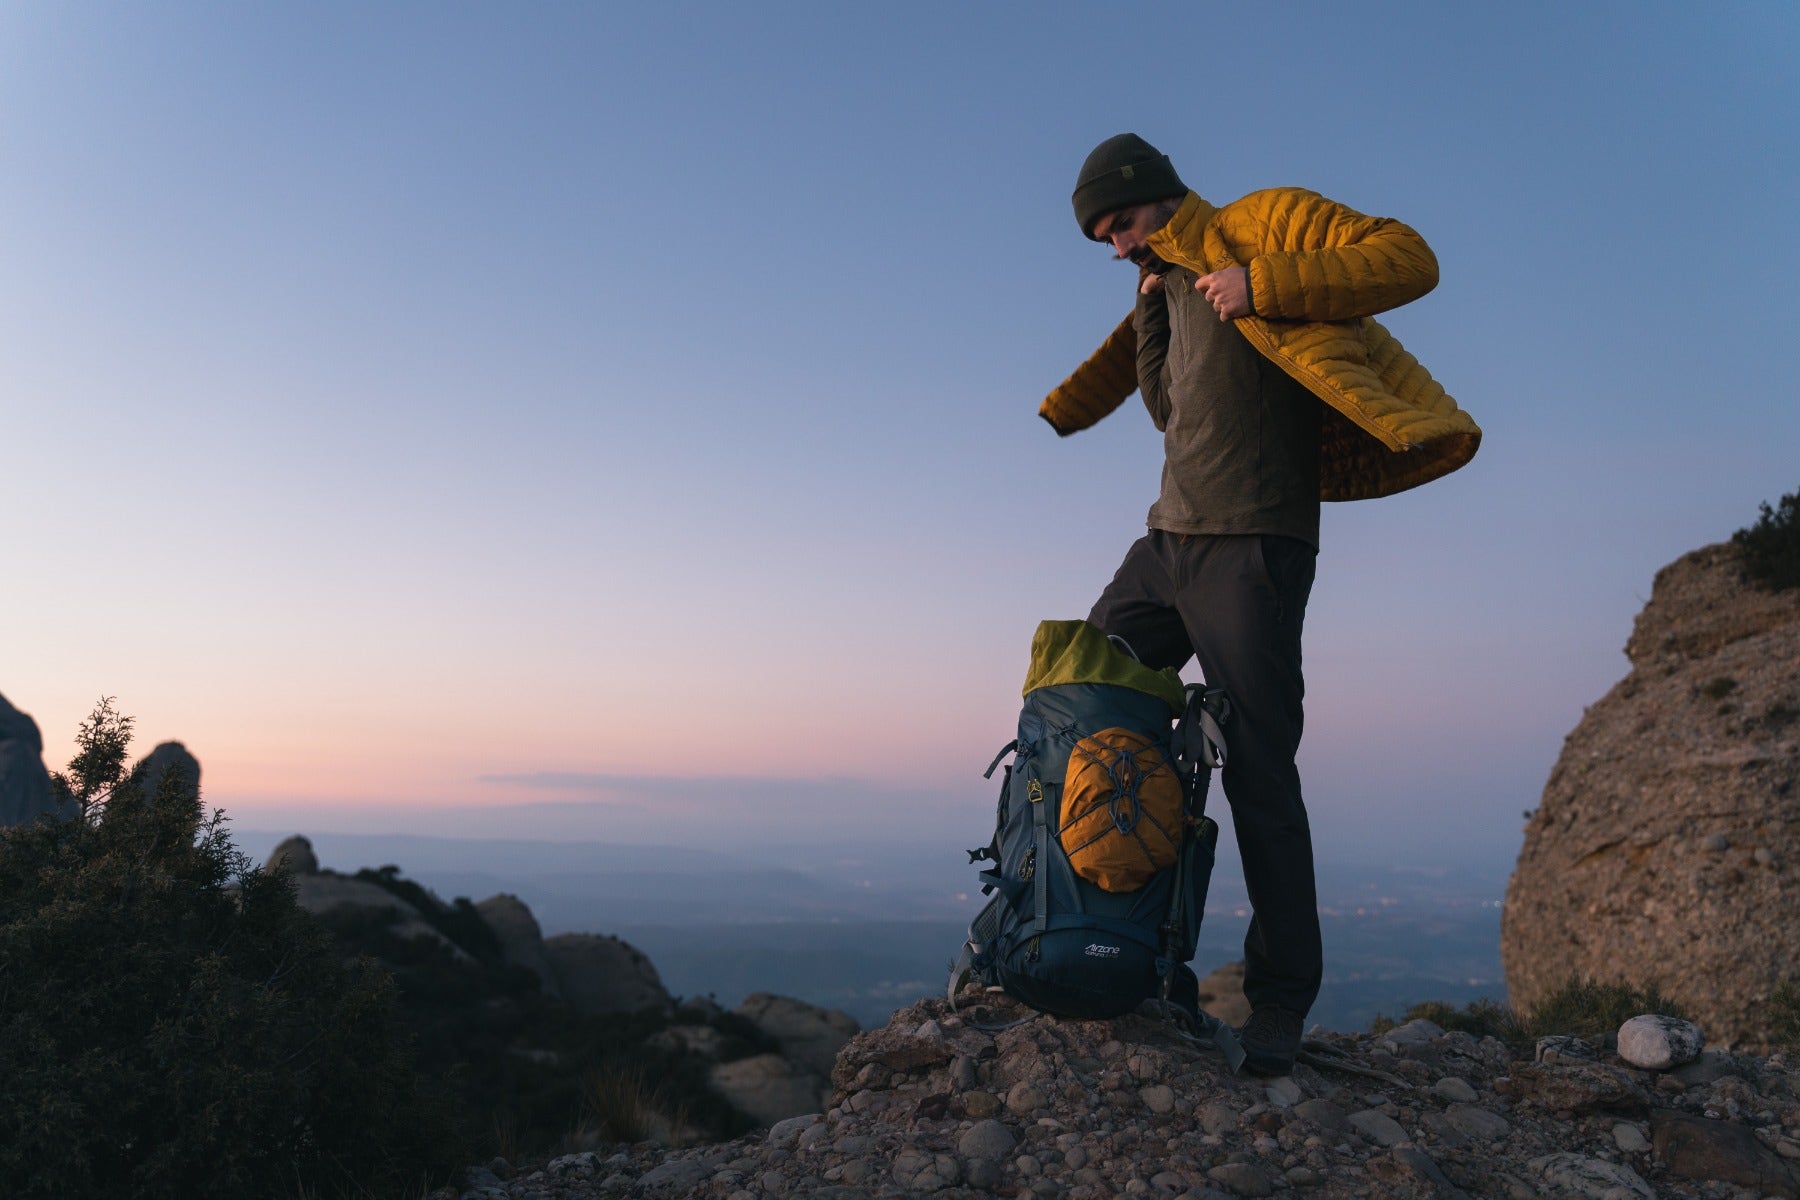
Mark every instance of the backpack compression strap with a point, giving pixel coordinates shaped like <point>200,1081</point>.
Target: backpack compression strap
<point>1040,862</point>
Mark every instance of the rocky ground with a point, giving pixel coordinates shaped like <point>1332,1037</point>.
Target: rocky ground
<point>1082,1110</point>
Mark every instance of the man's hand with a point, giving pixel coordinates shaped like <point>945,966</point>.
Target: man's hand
<point>1228,291</point>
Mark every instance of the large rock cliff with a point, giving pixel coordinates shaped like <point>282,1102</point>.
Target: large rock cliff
<point>1666,849</point>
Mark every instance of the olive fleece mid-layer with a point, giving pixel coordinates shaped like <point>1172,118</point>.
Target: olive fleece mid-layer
<point>1240,437</point>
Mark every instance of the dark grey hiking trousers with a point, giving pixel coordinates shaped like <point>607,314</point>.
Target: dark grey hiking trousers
<point>1238,602</point>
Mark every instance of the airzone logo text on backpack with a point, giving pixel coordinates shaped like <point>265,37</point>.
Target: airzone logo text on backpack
<point>1099,832</point>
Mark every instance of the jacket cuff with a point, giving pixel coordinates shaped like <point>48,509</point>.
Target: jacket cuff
<point>1060,431</point>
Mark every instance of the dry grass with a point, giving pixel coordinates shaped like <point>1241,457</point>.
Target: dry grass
<point>621,1105</point>
<point>1583,1008</point>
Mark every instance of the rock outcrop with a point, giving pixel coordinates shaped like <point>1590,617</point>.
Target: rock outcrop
<point>770,1087</point>
<point>602,976</point>
<point>1666,849</point>
<point>806,1033</point>
<point>296,854</point>
<point>521,941</point>
<point>24,783</point>
<point>1091,1110</point>
<point>324,892</point>
<point>169,766</point>
<point>597,974</point>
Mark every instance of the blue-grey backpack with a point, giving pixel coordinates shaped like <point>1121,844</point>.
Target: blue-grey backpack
<point>1102,740</point>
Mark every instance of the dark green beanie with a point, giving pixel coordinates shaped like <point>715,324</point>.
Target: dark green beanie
<point>1122,171</point>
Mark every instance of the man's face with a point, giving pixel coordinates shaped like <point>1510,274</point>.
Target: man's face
<point>1126,229</point>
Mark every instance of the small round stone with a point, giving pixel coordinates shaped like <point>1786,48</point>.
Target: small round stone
<point>1655,1042</point>
<point>1455,1090</point>
<point>986,1139</point>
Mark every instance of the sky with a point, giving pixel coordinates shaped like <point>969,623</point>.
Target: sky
<point>619,422</point>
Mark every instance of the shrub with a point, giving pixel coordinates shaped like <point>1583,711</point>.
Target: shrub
<point>1769,551</point>
<point>1718,687</point>
<point>1591,1009</point>
<point>1482,1018</point>
<point>620,1104</point>
<point>1784,1017</point>
<point>172,1024</point>
<point>99,762</point>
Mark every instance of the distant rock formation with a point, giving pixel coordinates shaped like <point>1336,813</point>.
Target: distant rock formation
<point>770,1087</point>
<point>1666,849</point>
<point>806,1033</point>
<point>322,892</point>
<point>594,974</point>
<point>169,765</point>
<point>24,783</point>
<point>296,854</point>
<point>521,941</point>
<point>597,974</point>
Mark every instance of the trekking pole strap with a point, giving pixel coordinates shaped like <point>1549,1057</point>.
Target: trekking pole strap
<point>1200,738</point>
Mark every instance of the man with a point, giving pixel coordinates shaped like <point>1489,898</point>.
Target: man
<point>1247,317</point>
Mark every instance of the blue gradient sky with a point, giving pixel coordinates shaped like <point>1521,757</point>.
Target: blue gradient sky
<point>420,408</point>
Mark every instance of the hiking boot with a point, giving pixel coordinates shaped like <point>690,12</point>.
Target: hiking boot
<point>1271,1039</point>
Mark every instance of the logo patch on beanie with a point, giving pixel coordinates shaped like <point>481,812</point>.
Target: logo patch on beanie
<point>1126,171</point>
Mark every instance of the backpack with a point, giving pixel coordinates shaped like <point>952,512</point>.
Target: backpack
<point>1102,851</point>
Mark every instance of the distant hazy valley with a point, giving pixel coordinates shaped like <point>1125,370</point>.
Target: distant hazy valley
<point>867,933</point>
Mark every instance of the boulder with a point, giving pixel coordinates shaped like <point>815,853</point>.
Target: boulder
<point>806,1033</point>
<point>24,783</point>
<point>1660,852</point>
<point>1657,1043</point>
<point>770,1087</point>
<point>296,854</point>
<point>598,974</point>
<point>521,942</point>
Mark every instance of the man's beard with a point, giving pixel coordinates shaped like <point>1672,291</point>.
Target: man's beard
<point>1148,261</point>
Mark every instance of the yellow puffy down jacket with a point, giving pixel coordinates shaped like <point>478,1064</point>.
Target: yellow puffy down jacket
<point>1318,271</point>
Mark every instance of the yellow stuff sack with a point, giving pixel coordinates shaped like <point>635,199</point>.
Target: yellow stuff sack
<point>1121,810</point>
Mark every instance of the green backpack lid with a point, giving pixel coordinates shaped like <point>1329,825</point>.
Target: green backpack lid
<point>1077,652</point>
